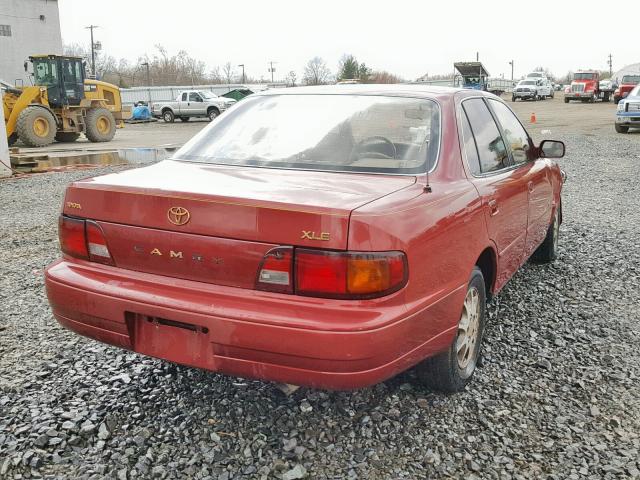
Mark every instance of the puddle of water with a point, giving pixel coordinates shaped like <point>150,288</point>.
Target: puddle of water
<point>129,156</point>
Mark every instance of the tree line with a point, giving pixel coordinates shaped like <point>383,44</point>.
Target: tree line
<point>163,68</point>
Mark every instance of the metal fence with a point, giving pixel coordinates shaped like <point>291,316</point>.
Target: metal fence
<point>166,93</point>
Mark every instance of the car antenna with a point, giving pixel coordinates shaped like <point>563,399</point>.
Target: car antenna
<point>427,187</point>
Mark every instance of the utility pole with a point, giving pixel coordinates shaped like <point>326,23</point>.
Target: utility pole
<point>477,56</point>
<point>511,63</point>
<point>146,64</point>
<point>242,65</point>
<point>93,50</point>
<point>272,69</point>
<point>610,62</point>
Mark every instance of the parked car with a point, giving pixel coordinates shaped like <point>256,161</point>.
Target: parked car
<point>532,89</point>
<point>627,84</point>
<point>192,103</point>
<point>628,113</point>
<point>323,236</point>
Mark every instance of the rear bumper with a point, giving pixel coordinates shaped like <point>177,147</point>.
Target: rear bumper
<point>315,342</point>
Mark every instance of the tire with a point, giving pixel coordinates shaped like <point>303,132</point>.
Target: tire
<point>548,249</point>
<point>13,138</point>
<point>453,369</point>
<point>36,127</point>
<point>67,137</point>
<point>184,119</point>
<point>168,116</point>
<point>100,126</point>
<point>621,128</point>
<point>566,100</point>
<point>513,98</point>
<point>616,100</point>
<point>212,114</point>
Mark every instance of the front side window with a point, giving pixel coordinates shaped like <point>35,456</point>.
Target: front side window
<point>359,133</point>
<point>184,97</point>
<point>491,148</point>
<point>194,97</point>
<point>514,134</point>
<point>45,73</point>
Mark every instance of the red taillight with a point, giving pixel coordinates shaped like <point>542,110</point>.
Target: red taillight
<point>355,275</point>
<point>72,237</point>
<point>83,239</point>
<point>329,274</point>
<point>275,273</point>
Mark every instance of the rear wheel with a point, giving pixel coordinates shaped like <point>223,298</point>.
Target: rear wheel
<point>67,137</point>
<point>36,127</point>
<point>621,129</point>
<point>548,250</point>
<point>453,369</point>
<point>100,126</point>
<point>168,116</point>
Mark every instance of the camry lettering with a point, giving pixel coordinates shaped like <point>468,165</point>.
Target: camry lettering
<point>178,254</point>
<point>310,235</point>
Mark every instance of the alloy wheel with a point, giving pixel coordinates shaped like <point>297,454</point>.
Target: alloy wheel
<point>468,332</point>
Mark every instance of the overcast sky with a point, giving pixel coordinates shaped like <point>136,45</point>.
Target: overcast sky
<point>408,38</point>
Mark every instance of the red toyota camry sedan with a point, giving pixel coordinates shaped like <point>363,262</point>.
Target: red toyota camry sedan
<point>323,236</point>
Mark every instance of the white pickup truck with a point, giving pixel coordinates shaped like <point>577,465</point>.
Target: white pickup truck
<point>192,103</point>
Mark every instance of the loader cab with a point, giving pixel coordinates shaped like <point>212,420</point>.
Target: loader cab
<point>63,77</point>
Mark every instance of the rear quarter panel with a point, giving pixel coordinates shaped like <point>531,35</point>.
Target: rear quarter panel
<point>442,232</point>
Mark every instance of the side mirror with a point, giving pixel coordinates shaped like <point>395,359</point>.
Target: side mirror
<point>551,149</point>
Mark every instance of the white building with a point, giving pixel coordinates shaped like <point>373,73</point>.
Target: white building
<point>27,27</point>
<point>633,69</point>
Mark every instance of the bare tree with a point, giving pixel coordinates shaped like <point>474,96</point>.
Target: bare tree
<point>291,79</point>
<point>228,72</point>
<point>316,72</point>
<point>383,76</point>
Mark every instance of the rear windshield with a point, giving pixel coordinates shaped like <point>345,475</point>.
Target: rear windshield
<point>359,133</point>
<point>631,79</point>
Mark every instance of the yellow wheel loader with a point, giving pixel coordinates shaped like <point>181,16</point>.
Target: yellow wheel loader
<point>61,105</point>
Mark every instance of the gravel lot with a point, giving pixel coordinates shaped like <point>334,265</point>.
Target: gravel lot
<point>557,395</point>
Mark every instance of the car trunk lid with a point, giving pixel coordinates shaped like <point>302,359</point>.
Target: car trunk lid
<point>215,223</point>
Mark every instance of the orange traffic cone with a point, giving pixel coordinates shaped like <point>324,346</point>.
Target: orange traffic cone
<point>533,118</point>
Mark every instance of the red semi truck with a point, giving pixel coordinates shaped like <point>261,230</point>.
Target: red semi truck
<point>586,87</point>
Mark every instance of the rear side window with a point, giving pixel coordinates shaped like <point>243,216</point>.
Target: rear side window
<point>184,97</point>
<point>469,145</point>
<point>492,151</point>
<point>515,135</point>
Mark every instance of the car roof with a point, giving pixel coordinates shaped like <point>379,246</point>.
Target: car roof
<point>396,89</point>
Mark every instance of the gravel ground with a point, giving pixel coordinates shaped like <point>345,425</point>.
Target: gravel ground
<point>557,395</point>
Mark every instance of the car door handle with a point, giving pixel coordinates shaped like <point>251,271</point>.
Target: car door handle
<point>531,187</point>
<point>493,207</point>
